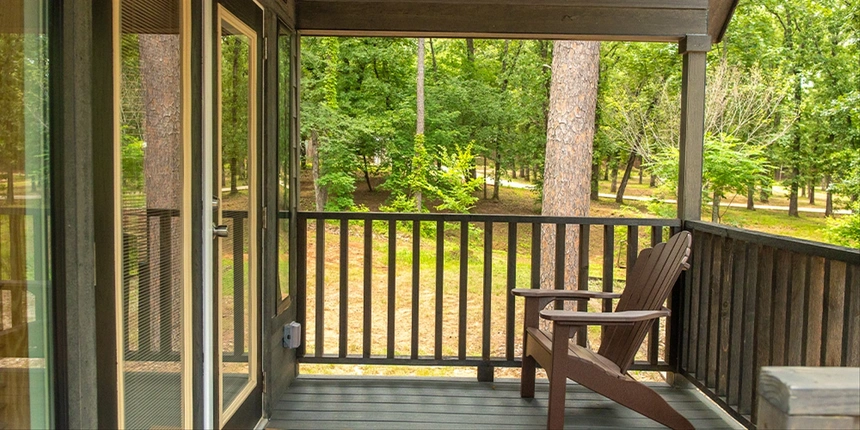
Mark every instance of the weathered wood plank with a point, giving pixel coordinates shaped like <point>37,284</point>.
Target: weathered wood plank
<point>714,313</point>
<point>535,250</point>
<point>834,310</point>
<point>748,347</point>
<point>780,321</point>
<point>763,342</point>
<point>851,349</point>
<point>704,308</point>
<point>736,317</point>
<point>510,303</point>
<point>812,342</point>
<point>692,322</point>
<point>796,309</point>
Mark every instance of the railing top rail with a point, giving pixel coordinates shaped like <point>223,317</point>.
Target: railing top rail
<point>832,252</point>
<point>525,219</point>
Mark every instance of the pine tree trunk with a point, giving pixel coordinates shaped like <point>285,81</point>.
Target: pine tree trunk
<point>497,177</point>
<point>811,192</point>
<point>570,137</point>
<point>828,204</point>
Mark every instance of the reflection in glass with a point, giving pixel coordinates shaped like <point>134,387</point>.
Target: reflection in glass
<point>284,120</point>
<point>25,321</point>
<point>237,194</point>
<point>151,195</point>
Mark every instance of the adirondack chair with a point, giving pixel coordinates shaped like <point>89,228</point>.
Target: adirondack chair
<point>605,372</point>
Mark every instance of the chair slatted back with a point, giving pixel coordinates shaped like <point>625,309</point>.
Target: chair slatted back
<point>651,280</point>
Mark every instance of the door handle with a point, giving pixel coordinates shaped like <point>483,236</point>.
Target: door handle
<point>220,231</point>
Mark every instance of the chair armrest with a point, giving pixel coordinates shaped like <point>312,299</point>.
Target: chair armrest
<point>602,318</point>
<point>563,294</point>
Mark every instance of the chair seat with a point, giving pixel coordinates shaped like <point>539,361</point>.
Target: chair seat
<point>580,353</point>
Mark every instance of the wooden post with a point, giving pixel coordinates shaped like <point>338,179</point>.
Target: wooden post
<point>694,49</point>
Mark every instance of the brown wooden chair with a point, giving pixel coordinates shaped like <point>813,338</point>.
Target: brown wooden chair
<point>605,372</point>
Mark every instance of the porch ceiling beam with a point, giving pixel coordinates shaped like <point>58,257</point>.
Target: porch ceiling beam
<point>636,20</point>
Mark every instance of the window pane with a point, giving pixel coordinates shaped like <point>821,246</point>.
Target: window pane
<point>151,194</point>
<point>25,321</point>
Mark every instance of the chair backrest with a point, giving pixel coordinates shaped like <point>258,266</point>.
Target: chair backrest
<point>651,280</point>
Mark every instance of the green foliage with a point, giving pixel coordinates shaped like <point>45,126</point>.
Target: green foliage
<point>731,165</point>
<point>132,162</point>
<point>845,230</point>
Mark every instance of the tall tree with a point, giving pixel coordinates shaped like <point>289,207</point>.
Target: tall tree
<point>419,113</point>
<point>570,136</point>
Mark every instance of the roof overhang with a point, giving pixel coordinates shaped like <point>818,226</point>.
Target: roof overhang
<point>635,20</point>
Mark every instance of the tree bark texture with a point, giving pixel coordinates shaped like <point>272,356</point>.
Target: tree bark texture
<point>161,87</point>
<point>570,136</point>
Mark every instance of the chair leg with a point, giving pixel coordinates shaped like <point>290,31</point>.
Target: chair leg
<point>527,377</point>
<point>557,389</point>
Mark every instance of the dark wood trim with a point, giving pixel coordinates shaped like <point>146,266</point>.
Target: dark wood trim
<point>104,198</point>
<point>483,218</point>
<point>72,224</point>
<point>635,21</point>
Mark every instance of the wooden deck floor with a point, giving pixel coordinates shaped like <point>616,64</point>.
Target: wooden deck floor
<point>321,402</point>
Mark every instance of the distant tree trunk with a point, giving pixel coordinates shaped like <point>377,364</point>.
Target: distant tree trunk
<point>606,170</point>
<point>497,176</point>
<point>367,174</point>
<point>614,173</point>
<point>640,171</point>
<point>433,59</point>
<point>595,184</point>
<point>792,199</point>
<point>828,205</point>
<point>320,192</point>
<point>764,193</point>
<point>514,172</point>
<point>10,186</point>
<point>570,137</point>
<point>527,174</point>
<point>419,126</point>
<point>619,198</point>
<point>751,197</point>
<point>652,182</point>
<point>715,209</point>
<point>485,178</point>
<point>811,192</point>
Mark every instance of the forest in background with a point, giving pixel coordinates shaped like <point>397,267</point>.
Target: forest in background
<point>783,109</point>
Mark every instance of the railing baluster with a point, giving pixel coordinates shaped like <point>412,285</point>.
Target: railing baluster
<point>851,348</point>
<point>781,321</point>
<point>702,368</point>
<point>367,323</point>
<point>725,306</point>
<point>302,279</point>
<point>608,271</point>
<point>440,264</point>
<point>560,242</point>
<point>714,314</point>
<point>238,286</point>
<point>582,279</point>
<point>748,346</point>
<point>735,367</point>
<point>763,318</point>
<point>656,235</point>
<point>796,308</point>
<point>536,250</point>
<point>488,290</point>
<point>511,284</point>
<point>343,289</point>
<point>392,277</point>
<point>464,262</point>
<point>693,316</point>
<point>812,341</point>
<point>416,261</point>
<point>319,314</point>
<point>834,273</point>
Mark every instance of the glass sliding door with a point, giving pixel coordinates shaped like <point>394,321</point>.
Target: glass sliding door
<point>26,397</point>
<point>152,111</point>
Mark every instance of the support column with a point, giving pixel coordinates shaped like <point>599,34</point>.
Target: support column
<point>694,49</point>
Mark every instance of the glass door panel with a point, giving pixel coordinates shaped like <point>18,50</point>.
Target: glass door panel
<point>236,189</point>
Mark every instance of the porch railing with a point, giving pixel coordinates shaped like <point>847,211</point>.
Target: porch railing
<point>442,285</point>
<point>754,300</point>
